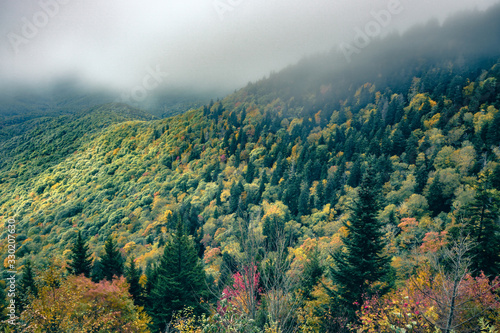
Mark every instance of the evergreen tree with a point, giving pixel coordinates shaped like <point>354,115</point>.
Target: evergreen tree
<point>81,263</point>
<point>481,223</point>
<point>96,274</point>
<point>112,261</point>
<point>292,193</point>
<point>27,288</point>
<point>180,281</point>
<point>421,173</point>
<point>234,200</point>
<point>250,172</point>
<point>262,186</point>
<point>411,149</point>
<point>320,194</point>
<point>355,174</point>
<point>220,188</point>
<point>362,263</point>
<point>303,207</point>
<point>312,274</point>
<point>437,201</point>
<point>278,170</point>
<point>133,275</point>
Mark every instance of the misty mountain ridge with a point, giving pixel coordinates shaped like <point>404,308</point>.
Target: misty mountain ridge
<point>303,179</point>
<point>461,38</point>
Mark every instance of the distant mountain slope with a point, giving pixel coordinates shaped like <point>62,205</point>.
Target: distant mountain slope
<point>33,145</point>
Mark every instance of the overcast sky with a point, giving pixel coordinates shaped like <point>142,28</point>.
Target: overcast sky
<point>204,43</point>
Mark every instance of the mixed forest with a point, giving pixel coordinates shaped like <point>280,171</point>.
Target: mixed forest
<point>360,199</point>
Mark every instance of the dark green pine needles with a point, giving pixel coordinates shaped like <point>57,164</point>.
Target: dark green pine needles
<point>361,268</point>
<point>179,280</point>
<point>81,263</point>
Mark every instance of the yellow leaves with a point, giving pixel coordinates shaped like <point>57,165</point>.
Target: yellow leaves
<point>219,233</point>
<point>130,246</point>
<point>6,263</point>
<point>185,322</point>
<point>76,304</point>
<point>464,158</point>
<point>143,280</point>
<point>317,117</point>
<point>433,121</point>
<point>468,90</point>
<point>276,208</point>
<point>167,215</point>
<point>444,158</point>
<point>307,315</point>
<point>419,100</point>
<point>181,197</point>
<point>483,117</point>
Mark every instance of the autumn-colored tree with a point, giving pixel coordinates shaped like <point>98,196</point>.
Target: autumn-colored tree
<point>243,293</point>
<point>80,305</point>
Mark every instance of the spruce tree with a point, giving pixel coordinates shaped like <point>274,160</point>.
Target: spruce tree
<point>250,172</point>
<point>81,263</point>
<point>234,200</point>
<point>111,261</point>
<point>437,201</point>
<point>179,281</point>
<point>303,207</point>
<point>480,218</point>
<point>133,275</point>
<point>362,263</point>
<point>27,288</point>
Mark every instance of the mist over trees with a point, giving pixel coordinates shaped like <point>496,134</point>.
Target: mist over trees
<point>329,197</point>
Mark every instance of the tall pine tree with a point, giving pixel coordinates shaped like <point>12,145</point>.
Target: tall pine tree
<point>27,288</point>
<point>81,263</point>
<point>480,222</point>
<point>179,281</point>
<point>111,261</point>
<point>361,265</point>
<point>133,275</point>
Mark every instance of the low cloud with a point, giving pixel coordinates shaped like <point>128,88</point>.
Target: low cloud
<point>216,45</point>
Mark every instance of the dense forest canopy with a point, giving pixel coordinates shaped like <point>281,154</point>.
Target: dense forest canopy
<point>252,210</point>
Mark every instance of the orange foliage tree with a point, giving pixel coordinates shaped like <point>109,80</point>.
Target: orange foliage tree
<point>77,304</point>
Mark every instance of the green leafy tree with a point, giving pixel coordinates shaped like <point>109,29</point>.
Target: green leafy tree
<point>361,268</point>
<point>179,281</point>
<point>81,263</point>
<point>111,261</point>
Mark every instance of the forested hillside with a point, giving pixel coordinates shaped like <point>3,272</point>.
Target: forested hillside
<point>314,200</point>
